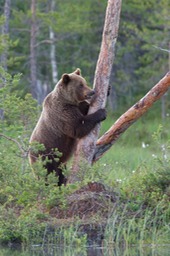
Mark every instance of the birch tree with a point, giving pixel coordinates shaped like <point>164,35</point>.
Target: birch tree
<point>53,50</point>
<point>33,61</point>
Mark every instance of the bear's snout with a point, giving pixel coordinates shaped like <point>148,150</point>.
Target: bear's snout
<point>90,94</point>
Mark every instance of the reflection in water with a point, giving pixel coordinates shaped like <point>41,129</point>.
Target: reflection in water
<point>91,251</point>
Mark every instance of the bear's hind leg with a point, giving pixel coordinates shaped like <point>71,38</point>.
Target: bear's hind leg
<point>54,167</point>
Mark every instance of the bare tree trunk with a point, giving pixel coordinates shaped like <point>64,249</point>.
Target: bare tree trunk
<point>33,61</point>
<point>86,146</point>
<point>53,50</point>
<point>53,59</point>
<point>5,32</point>
<point>131,116</point>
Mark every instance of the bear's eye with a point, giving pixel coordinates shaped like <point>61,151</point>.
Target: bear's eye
<point>81,85</point>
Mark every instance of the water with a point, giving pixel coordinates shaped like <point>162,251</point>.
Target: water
<point>156,250</point>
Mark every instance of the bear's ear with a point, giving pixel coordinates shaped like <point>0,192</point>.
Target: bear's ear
<point>65,78</point>
<point>77,72</point>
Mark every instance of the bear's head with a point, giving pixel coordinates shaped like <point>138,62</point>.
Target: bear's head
<point>74,88</point>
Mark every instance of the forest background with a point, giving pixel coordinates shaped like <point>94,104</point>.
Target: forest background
<point>48,38</point>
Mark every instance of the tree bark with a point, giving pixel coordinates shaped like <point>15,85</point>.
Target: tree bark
<point>86,146</point>
<point>131,116</point>
<point>53,50</point>
<point>33,61</point>
<point>5,32</point>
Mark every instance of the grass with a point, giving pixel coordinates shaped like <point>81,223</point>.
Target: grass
<point>140,145</point>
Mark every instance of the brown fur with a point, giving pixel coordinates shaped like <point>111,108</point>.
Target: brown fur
<point>63,120</point>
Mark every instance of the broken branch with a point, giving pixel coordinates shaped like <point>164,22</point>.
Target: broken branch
<point>131,116</point>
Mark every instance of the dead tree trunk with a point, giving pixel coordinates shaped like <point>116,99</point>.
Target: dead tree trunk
<point>131,116</point>
<point>53,50</point>
<point>86,146</point>
<point>5,32</point>
<point>33,62</point>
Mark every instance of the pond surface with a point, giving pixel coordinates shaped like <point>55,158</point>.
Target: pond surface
<point>156,250</point>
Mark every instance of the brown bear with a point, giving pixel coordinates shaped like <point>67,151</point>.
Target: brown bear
<point>64,119</point>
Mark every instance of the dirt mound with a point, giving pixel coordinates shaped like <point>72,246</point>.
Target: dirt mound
<point>88,208</point>
<point>92,199</point>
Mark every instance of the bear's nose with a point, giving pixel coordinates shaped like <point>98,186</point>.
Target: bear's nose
<point>91,93</point>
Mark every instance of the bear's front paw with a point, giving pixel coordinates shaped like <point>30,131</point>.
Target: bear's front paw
<point>102,114</point>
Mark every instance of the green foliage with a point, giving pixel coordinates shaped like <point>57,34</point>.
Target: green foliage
<point>77,27</point>
<point>74,17</point>
<point>140,63</point>
<point>150,187</point>
<point>19,113</point>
